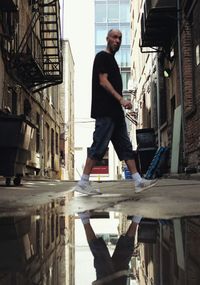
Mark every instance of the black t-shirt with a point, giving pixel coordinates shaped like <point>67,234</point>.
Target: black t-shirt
<point>103,103</point>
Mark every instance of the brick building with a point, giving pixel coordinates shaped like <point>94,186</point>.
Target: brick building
<point>165,74</point>
<point>31,67</point>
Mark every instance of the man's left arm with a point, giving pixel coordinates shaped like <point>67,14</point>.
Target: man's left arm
<point>105,83</point>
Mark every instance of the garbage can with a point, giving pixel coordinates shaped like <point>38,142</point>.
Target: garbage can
<point>16,133</point>
<point>146,141</point>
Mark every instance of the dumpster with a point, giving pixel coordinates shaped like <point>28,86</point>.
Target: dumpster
<point>16,133</point>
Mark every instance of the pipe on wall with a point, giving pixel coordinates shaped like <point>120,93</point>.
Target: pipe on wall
<point>180,64</point>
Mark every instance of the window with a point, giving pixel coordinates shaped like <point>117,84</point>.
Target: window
<point>125,29</point>
<point>113,13</point>
<point>124,12</point>
<point>100,12</point>
<point>101,33</point>
<point>113,26</point>
<point>52,148</point>
<point>125,79</point>
<point>125,56</point>
<point>47,140</point>
<point>56,143</point>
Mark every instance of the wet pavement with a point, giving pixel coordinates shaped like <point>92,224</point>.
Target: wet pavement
<point>170,198</point>
<point>37,223</point>
<point>26,198</point>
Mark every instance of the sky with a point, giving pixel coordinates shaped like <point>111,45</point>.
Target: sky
<point>78,28</point>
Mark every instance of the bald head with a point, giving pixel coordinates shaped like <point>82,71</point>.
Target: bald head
<point>114,38</point>
<point>110,32</point>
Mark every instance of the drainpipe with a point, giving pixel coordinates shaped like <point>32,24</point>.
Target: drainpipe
<point>180,64</point>
<point>161,263</point>
<point>158,99</point>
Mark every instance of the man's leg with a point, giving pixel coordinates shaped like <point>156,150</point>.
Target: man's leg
<point>124,149</point>
<point>83,186</point>
<point>102,259</point>
<point>125,246</point>
<point>101,138</point>
<point>90,163</point>
<point>141,184</point>
<point>132,166</point>
<point>85,218</point>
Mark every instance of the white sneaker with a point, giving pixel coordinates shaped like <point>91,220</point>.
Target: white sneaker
<point>86,189</point>
<point>144,185</point>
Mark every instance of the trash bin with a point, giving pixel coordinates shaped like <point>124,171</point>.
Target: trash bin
<point>146,138</point>
<point>16,133</point>
<point>146,147</point>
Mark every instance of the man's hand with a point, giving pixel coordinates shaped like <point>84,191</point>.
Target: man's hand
<point>126,104</point>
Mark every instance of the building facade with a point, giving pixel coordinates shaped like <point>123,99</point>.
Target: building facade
<point>66,95</point>
<point>165,72</point>
<point>31,70</point>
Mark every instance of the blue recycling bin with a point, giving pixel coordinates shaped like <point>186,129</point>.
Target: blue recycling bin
<point>127,173</point>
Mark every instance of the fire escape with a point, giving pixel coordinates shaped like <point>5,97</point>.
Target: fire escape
<point>37,61</point>
<point>158,23</point>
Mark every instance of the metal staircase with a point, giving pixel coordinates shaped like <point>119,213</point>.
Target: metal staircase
<point>37,63</point>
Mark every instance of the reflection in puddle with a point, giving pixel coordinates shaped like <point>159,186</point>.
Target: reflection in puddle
<point>36,249</point>
<point>51,247</point>
<point>112,252</point>
<point>159,248</point>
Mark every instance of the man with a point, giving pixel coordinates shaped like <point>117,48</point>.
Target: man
<point>106,109</point>
<point>111,270</point>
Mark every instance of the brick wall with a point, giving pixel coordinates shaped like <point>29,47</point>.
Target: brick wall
<point>191,86</point>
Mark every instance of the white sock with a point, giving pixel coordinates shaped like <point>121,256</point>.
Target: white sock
<point>136,177</point>
<point>85,217</point>
<point>136,219</point>
<point>84,179</point>
<point>85,221</point>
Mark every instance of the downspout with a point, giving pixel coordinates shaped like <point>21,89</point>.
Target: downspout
<point>161,263</point>
<point>158,98</point>
<point>180,64</point>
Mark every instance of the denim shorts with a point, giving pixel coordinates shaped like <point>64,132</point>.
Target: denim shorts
<point>106,130</point>
<point>104,263</point>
